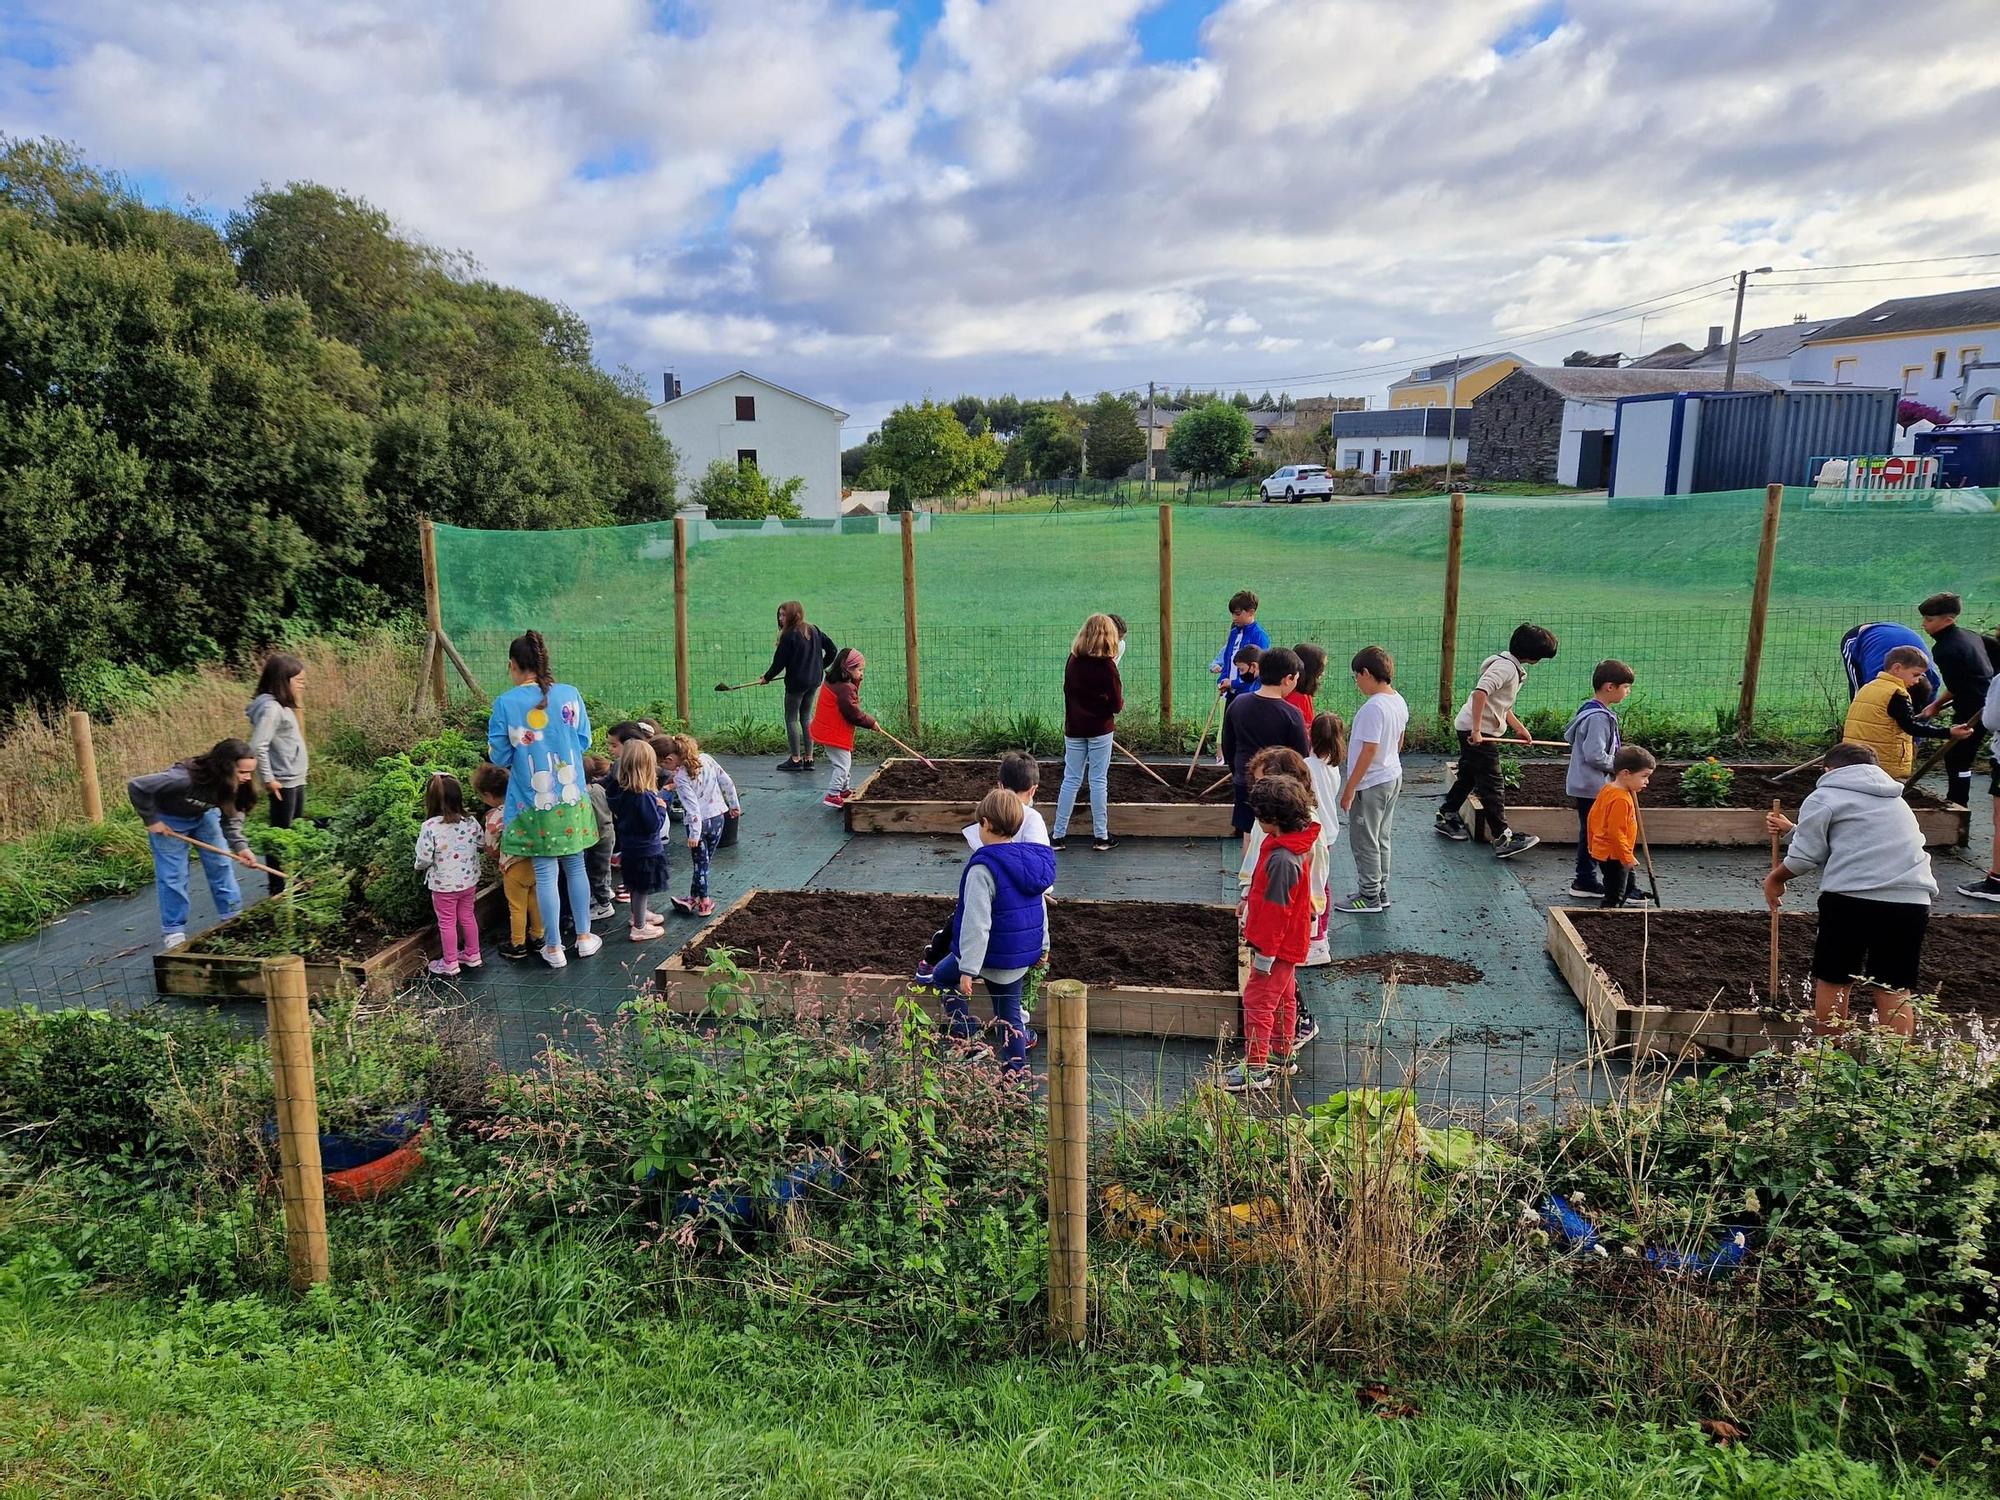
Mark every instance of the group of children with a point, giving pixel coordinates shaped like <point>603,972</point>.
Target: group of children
<point>632,794</point>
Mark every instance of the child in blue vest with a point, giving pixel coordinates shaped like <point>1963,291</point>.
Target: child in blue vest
<point>1593,744</point>
<point>1000,928</point>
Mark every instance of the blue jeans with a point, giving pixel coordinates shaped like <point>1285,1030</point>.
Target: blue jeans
<point>1007,1015</point>
<point>553,871</point>
<point>702,852</point>
<point>170,869</point>
<point>1095,754</point>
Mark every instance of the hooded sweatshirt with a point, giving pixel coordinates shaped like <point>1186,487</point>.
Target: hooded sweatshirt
<point>276,742</point>
<point>1859,833</point>
<point>1593,742</point>
<point>1278,916</point>
<point>1001,927</point>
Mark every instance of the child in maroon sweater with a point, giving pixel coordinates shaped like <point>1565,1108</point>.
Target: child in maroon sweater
<point>1277,927</point>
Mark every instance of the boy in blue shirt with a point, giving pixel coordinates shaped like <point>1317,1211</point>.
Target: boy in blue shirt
<point>1243,631</point>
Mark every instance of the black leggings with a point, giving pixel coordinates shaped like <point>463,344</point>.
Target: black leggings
<point>288,805</point>
<point>1479,771</point>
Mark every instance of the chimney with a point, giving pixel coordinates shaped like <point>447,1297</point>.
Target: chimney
<point>1715,335</point>
<point>673,386</point>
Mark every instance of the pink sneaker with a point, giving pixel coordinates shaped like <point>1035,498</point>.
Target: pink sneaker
<point>704,907</point>
<point>442,970</point>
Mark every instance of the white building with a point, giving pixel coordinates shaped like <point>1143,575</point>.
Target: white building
<point>1923,347</point>
<point>743,418</point>
<point>1400,438</point>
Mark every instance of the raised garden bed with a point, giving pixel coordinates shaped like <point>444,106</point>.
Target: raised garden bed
<point>357,958</point>
<point>1669,982</point>
<point>1541,807</point>
<point>1154,968</point>
<point>905,796</point>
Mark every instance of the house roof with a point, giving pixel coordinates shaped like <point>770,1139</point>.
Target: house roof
<point>769,385</point>
<point>1591,384</point>
<point>1404,421</point>
<point>1780,341</point>
<point>1942,311</point>
<point>1443,369</point>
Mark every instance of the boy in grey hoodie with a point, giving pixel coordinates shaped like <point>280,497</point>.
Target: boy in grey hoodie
<point>1593,738</point>
<point>1875,888</point>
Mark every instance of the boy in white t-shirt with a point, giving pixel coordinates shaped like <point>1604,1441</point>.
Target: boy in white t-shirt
<point>1374,778</point>
<point>1021,775</point>
<point>1483,723</point>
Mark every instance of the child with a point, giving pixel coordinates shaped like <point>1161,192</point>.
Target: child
<point>835,718</point>
<point>1482,721</point>
<point>1278,761</point>
<point>1312,667</point>
<point>1118,624</point>
<point>1613,829</point>
<point>1883,718</point>
<point>708,800</point>
<point>1593,745</point>
<point>597,858</point>
<point>1277,927</point>
<point>1021,775</point>
<point>1260,719</point>
<point>1243,631</point>
<point>517,872</point>
<point>1328,738</point>
<point>1374,779</point>
<point>1000,928</point>
<point>1961,658</point>
<point>1248,661</point>
<point>640,810</point>
<point>448,854</point>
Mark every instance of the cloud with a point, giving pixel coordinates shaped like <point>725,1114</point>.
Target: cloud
<point>1023,199</point>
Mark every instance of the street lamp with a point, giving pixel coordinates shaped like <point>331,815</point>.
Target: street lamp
<point>1736,325</point>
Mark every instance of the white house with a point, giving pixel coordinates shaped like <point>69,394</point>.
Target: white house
<point>1400,437</point>
<point>743,418</point>
<point>1920,346</point>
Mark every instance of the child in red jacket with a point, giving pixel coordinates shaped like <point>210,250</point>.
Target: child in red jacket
<point>835,718</point>
<point>1277,926</point>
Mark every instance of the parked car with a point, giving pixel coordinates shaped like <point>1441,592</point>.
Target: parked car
<point>1296,482</point>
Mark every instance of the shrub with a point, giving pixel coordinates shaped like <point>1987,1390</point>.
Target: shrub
<point>1707,783</point>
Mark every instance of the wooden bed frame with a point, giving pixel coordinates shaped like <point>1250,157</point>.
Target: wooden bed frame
<point>869,812</point>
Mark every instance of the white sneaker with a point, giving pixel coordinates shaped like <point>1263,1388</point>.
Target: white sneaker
<point>172,940</point>
<point>555,958</point>
<point>588,944</point>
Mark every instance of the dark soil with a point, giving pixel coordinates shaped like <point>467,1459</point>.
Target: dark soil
<point>259,932</point>
<point>1148,943</point>
<point>1542,786</point>
<point>966,781</point>
<point>1693,955</point>
<point>1410,968</point>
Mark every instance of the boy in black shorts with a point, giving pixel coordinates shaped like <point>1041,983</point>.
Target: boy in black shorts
<point>1875,888</point>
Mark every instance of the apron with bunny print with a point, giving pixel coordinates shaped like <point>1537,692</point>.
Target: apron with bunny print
<point>541,747</point>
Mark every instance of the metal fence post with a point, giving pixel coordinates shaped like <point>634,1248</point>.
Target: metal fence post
<point>1166,617</point>
<point>296,1095</point>
<point>681,706</point>
<point>1448,640</point>
<point>1760,604</point>
<point>1069,1160</point>
<point>86,766</point>
<point>910,677</point>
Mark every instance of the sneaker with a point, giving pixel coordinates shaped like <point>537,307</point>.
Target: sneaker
<point>1058,846</point>
<point>1637,897</point>
<point>788,764</point>
<point>647,934</point>
<point>1586,892</point>
<point>704,907</point>
<point>441,970</point>
<point>588,944</point>
<point>172,940</point>
<point>602,911</point>
<point>682,904</point>
<point>834,799</point>
<point>1242,1079</point>
<point>1308,1031</point>
<point>1104,845</point>
<point>474,962</point>
<point>621,893</point>
<point>1451,826</point>
<point>514,952</point>
<point>1360,906</point>
<point>925,974</point>
<point>1283,1067</point>
<point>555,958</point>
<point>1515,843</point>
<point>1987,889</point>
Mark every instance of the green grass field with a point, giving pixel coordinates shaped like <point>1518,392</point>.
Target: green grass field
<point>999,596</point>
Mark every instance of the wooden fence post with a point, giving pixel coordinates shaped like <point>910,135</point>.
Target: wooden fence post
<point>1069,1160</point>
<point>1166,613</point>
<point>296,1093</point>
<point>1448,640</point>
<point>681,705</point>
<point>86,766</point>
<point>1760,604</point>
<point>433,611</point>
<point>910,676</point>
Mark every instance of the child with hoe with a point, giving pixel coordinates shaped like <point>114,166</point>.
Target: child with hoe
<point>448,848</point>
<point>1374,779</point>
<point>836,715</point>
<point>1243,631</point>
<point>1259,720</point>
<point>1277,927</point>
<point>517,873</point>
<point>1093,697</point>
<point>1883,717</point>
<point>1612,833</point>
<point>708,800</point>
<point>1483,721</point>
<point>1961,659</point>
<point>1593,745</point>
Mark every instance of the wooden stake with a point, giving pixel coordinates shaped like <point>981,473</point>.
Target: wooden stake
<point>910,676</point>
<point>430,660</point>
<point>1140,764</point>
<point>681,618</point>
<point>444,644</point>
<point>1773,995</point>
<point>1760,604</point>
<point>86,766</point>
<point>1214,704</point>
<point>1069,1160</point>
<point>297,1099</point>
<point>1454,552</point>
<point>433,610</point>
<point>1166,606</point>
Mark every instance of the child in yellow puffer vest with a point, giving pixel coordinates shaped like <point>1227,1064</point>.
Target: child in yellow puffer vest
<point>1883,718</point>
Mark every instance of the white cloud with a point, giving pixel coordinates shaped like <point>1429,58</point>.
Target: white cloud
<point>1375,346</point>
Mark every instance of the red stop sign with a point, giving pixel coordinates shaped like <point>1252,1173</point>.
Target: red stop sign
<point>1893,471</point>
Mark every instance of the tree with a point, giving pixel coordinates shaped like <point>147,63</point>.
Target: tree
<point>740,492</point>
<point>1210,441</point>
<point>1909,412</point>
<point>1050,443</point>
<point>1297,445</point>
<point>1241,401</point>
<point>1265,402</point>
<point>1113,439</point>
<point>929,454</point>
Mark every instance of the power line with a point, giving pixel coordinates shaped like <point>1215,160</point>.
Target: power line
<point>1864,265</point>
<point>1849,281</point>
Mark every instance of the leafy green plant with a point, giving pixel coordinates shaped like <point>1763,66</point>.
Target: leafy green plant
<point>1510,771</point>
<point>1707,783</point>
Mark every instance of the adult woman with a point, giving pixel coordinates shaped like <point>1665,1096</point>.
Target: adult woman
<point>1092,698</point>
<point>538,734</point>
<point>803,654</point>
<point>278,742</point>
<point>205,798</point>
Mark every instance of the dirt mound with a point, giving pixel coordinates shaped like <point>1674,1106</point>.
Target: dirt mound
<point>1410,968</point>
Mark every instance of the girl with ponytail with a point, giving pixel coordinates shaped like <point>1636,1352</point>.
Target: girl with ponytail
<point>538,734</point>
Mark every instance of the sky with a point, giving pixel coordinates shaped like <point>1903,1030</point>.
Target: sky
<point>873,203</point>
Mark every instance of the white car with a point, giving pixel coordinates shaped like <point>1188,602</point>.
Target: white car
<point>1297,482</point>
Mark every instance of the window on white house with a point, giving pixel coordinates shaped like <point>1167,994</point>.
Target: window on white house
<point>746,408</point>
<point>1971,356</point>
<point>1911,375</point>
<point>1353,459</point>
<point>1937,365</point>
<point>746,458</point>
<point>1843,371</point>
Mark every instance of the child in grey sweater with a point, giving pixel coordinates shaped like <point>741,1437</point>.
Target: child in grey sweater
<point>1593,744</point>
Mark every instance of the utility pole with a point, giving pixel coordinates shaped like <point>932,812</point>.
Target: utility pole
<point>1736,324</point>
<point>1450,424</point>
<point>1149,440</point>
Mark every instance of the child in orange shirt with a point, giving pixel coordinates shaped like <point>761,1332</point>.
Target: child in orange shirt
<point>1614,821</point>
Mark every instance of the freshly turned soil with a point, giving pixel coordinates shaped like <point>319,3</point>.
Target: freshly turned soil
<point>966,781</point>
<point>1144,943</point>
<point>1410,968</point>
<point>1542,786</point>
<point>1690,956</point>
<point>257,933</point>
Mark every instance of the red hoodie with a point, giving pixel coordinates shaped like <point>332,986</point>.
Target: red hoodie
<point>1278,920</point>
